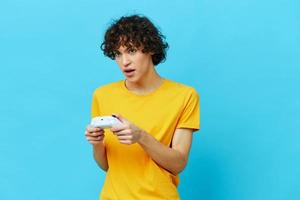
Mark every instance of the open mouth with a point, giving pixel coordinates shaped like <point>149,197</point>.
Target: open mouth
<point>129,72</point>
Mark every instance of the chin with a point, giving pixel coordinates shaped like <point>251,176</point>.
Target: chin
<point>133,80</point>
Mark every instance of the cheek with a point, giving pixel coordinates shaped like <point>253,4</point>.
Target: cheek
<point>143,61</point>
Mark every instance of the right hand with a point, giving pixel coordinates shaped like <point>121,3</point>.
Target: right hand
<point>94,135</point>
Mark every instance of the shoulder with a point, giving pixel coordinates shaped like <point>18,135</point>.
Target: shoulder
<point>182,88</point>
<point>108,88</point>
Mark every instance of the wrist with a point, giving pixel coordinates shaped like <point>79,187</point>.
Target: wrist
<point>99,146</point>
<point>143,135</point>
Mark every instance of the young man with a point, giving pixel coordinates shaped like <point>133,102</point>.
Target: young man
<point>144,155</point>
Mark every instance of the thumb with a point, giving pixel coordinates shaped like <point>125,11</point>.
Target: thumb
<point>121,118</point>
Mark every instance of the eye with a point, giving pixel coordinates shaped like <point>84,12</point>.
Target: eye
<point>117,54</point>
<point>132,51</point>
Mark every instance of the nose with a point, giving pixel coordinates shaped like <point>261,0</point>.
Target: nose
<point>125,60</point>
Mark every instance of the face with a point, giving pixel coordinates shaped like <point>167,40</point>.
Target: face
<point>134,64</point>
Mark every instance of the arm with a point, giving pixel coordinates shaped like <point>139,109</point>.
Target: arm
<point>100,156</point>
<point>95,137</point>
<point>174,158</point>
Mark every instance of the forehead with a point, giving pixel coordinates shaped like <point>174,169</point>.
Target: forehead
<point>124,43</point>
<point>123,48</point>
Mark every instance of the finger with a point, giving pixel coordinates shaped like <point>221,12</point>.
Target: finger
<point>90,128</point>
<point>97,133</point>
<point>95,142</point>
<point>120,117</point>
<point>99,138</point>
<point>119,127</point>
<point>125,137</point>
<point>127,142</point>
<point>93,129</point>
<point>94,136</point>
<point>123,132</point>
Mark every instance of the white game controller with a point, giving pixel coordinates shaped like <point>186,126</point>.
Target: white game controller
<point>105,122</point>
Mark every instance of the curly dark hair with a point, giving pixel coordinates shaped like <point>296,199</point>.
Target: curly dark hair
<point>135,31</point>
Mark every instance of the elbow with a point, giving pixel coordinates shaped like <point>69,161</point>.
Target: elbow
<point>103,168</point>
<point>179,166</point>
<point>179,170</point>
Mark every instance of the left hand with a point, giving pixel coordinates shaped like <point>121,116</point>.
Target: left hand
<point>127,133</point>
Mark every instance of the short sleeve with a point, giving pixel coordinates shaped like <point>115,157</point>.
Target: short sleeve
<point>190,116</point>
<point>95,111</point>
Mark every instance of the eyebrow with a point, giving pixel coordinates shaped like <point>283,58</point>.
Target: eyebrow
<point>127,49</point>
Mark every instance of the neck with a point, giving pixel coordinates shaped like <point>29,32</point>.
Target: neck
<point>146,85</point>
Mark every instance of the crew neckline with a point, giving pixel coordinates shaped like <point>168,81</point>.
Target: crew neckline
<point>124,88</point>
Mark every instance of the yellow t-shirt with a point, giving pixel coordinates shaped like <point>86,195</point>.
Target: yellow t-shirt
<point>132,174</point>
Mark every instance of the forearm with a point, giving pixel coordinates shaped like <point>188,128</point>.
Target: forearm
<point>168,158</point>
<point>100,156</point>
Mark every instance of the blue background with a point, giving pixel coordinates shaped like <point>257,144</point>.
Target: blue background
<point>241,56</point>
